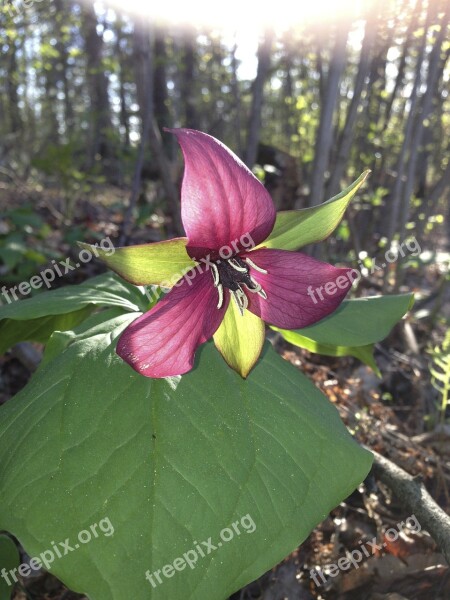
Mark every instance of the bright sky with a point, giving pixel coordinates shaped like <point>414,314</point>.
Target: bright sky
<point>247,15</point>
<point>241,21</point>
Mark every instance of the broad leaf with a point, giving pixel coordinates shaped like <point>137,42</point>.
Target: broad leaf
<point>297,228</point>
<point>353,329</point>
<point>169,464</point>
<point>36,318</point>
<point>9,560</point>
<point>363,353</point>
<point>40,329</point>
<point>161,263</point>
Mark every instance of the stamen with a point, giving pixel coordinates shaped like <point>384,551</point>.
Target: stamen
<point>262,293</point>
<point>252,264</point>
<point>233,274</point>
<point>233,263</point>
<point>241,300</point>
<point>255,289</point>
<point>220,290</point>
<point>215,274</point>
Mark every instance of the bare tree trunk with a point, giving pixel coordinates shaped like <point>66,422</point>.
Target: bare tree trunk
<point>63,60</point>
<point>149,133</point>
<point>435,71</point>
<point>188,86</point>
<point>124,120</point>
<point>144,88</point>
<point>346,138</point>
<point>325,133</point>
<point>412,26</point>
<point>377,86</point>
<point>160,95</point>
<point>12,85</point>
<point>98,85</point>
<point>320,70</point>
<point>439,188</point>
<point>237,101</point>
<point>51,102</point>
<point>406,145</point>
<point>172,195</point>
<point>433,198</point>
<point>254,127</point>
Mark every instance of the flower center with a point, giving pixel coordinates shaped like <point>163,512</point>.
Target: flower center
<point>233,274</point>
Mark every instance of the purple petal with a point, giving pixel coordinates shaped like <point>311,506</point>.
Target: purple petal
<point>300,290</point>
<point>223,205</point>
<point>163,341</point>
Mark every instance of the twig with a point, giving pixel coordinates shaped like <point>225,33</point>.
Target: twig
<point>413,494</point>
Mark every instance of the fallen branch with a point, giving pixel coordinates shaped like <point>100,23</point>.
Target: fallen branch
<point>413,494</point>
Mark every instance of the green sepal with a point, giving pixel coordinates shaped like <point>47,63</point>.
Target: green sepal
<point>161,263</point>
<point>240,339</point>
<point>297,228</point>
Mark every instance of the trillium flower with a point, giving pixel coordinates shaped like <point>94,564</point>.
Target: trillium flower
<point>225,283</point>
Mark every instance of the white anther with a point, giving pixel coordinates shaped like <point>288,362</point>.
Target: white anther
<point>262,293</point>
<point>215,274</point>
<point>241,300</point>
<point>252,264</point>
<point>233,263</point>
<point>257,289</point>
<point>220,291</point>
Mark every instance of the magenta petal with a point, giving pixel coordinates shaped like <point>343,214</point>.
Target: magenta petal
<point>300,290</point>
<point>222,203</point>
<point>163,341</point>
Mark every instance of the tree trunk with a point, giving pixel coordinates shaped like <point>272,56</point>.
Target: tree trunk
<point>399,80</point>
<point>236,101</point>
<point>395,207</point>
<point>122,56</point>
<point>150,133</point>
<point>98,86</point>
<point>12,85</point>
<point>346,137</point>
<point>435,71</point>
<point>160,95</point>
<point>61,18</point>
<point>325,132</point>
<point>144,86</point>
<point>188,87</point>
<point>254,127</point>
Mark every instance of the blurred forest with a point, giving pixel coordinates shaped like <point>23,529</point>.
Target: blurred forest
<point>86,90</point>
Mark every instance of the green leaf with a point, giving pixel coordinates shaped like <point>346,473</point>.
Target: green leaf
<point>9,560</point>
<point>161,263</point>
<point>363,353</point>
<point>353,329</point>
<point>36,318</point>
<point>90,444</point>
<point>40,329</point>
<point>297,228</point>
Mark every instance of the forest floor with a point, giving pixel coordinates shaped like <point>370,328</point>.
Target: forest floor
<point>395,415</point>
